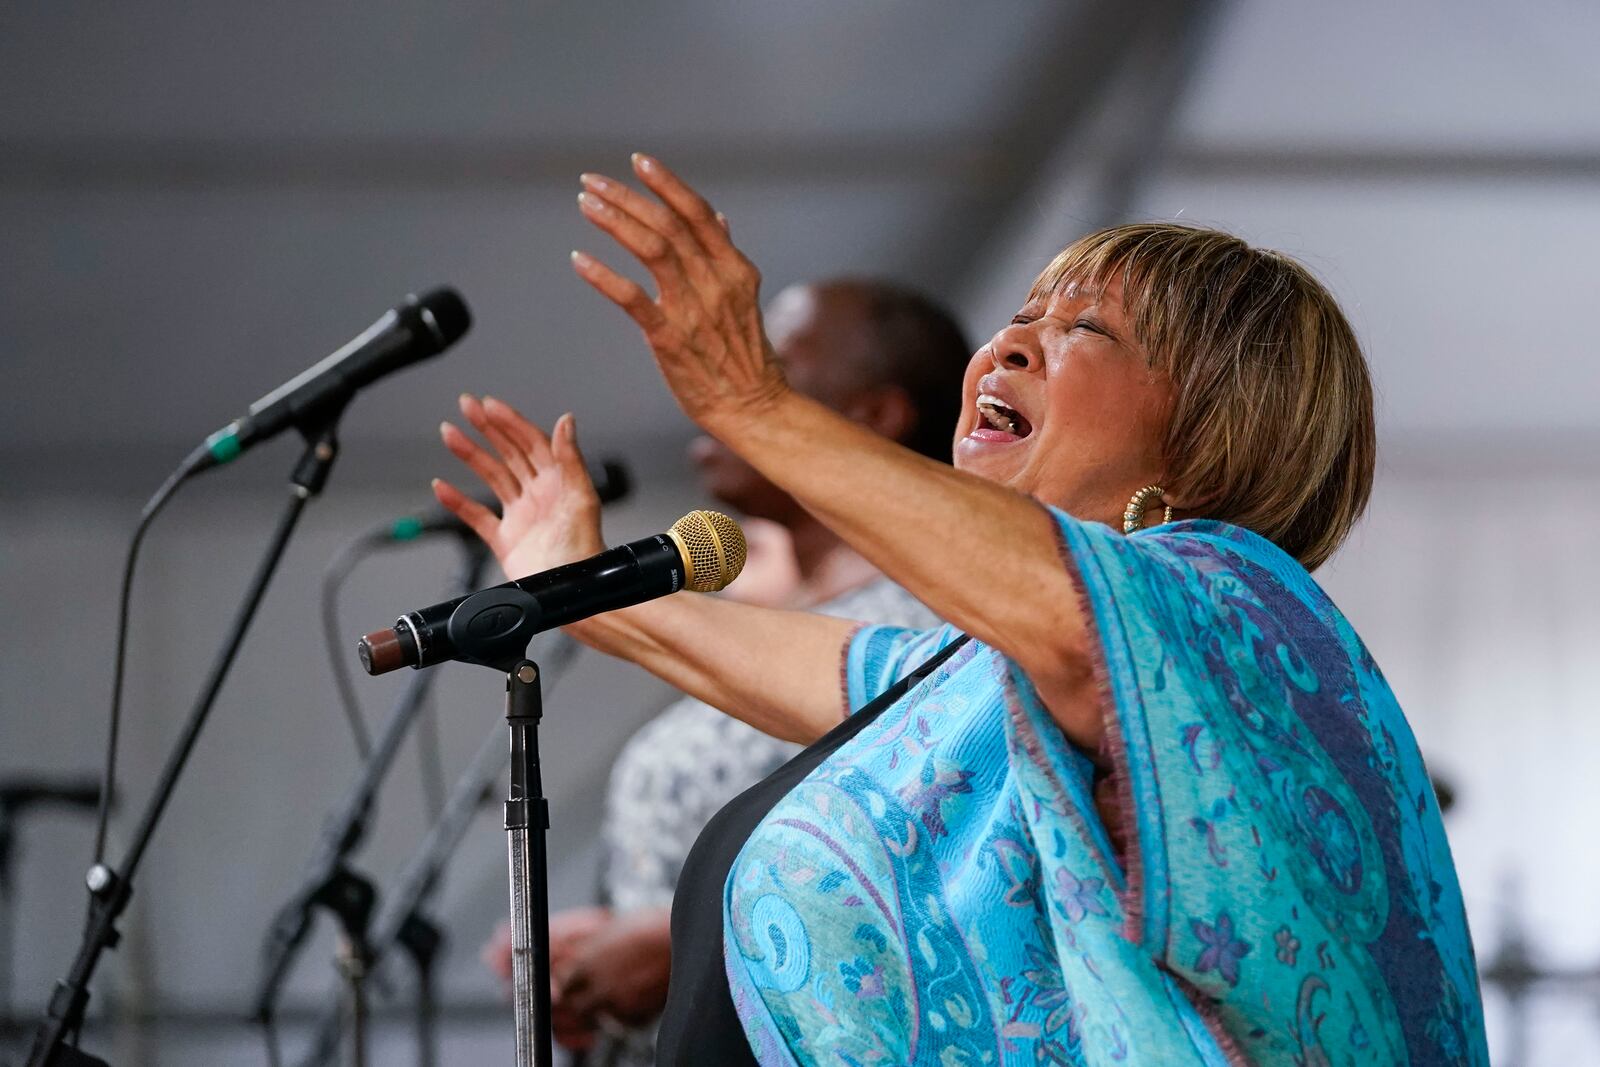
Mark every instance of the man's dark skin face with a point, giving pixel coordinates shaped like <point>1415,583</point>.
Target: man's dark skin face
<point>821,336</point>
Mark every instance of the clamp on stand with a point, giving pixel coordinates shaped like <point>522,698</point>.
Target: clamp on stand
<point>423,940</point>
<point>351,899</point>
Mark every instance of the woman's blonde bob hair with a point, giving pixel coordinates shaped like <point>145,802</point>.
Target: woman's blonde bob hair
<point>1272,423</point>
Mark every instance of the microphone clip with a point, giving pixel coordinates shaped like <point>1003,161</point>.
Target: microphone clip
<point>493,627</point>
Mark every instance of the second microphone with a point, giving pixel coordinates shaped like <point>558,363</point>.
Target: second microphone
<point>702,551</point>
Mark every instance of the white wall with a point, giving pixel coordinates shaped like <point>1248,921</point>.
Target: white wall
<point>1476,594</point>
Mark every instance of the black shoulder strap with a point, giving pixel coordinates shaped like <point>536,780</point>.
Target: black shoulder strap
<point>899,689</point>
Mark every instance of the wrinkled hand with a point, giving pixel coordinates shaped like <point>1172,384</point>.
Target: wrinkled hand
<point>704,326</point>
<point>619,971</point>
<point>549,511</point>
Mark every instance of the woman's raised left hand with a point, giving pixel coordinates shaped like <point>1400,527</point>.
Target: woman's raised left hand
<point>704,325</point>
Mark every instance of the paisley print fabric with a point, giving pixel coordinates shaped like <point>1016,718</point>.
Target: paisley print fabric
<point>681,767</point>
<point>944,891</point>
<point>678,771</point>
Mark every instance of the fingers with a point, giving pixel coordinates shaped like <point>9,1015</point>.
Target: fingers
<point>619,195</point>
<point>512,423</point>
<point>689,205</point>
<point>479,519</point>
<point>494,473</point>
<point>623,292</point>
<point>570,1031</point>
<point>512,454</point>
<point>569,457</point>
<point>657,228</point>
<point>665,254</point>
<point>578,994</point>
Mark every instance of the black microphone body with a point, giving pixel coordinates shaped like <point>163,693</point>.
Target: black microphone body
<point>616,578</point>
<point>414,330</point>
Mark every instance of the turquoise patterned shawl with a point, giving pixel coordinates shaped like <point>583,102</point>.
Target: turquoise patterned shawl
<point>944,891</point>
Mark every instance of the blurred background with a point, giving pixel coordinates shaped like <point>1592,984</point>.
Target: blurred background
<point>198,201</point>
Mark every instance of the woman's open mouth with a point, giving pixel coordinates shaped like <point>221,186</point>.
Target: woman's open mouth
<point>999,422</point>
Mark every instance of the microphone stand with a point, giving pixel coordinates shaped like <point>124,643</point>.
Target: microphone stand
<point>109,890</point>
<point>403,920</point>
<point>527,820</point>
<point>492,628</point>
<point>329,882</point>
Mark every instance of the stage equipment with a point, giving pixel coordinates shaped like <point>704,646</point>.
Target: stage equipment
<point>402,919</point>
<point>612,482</point>
<point>20,794</point>
<point>703,551</point>
<point>329,881</point>
<point>420,327</point>
<point>311,404</point>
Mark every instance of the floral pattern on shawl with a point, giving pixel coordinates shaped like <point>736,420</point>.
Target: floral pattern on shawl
<point>942,890</point>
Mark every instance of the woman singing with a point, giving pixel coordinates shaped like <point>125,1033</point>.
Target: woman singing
<point>1145,798</point>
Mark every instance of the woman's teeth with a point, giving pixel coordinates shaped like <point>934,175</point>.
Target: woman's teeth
<point>1000,417</point>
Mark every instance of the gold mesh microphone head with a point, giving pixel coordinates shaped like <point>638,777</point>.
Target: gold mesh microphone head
<point>712,546</point>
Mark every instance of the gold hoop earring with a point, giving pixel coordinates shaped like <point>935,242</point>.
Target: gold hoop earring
<point>1133,514</point>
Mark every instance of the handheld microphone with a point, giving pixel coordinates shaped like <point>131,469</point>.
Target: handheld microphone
<point>703,551</point>
<point>416,329</point>
<point>611,481</point>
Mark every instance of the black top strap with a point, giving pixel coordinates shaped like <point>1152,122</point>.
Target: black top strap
<point>700,1024</point>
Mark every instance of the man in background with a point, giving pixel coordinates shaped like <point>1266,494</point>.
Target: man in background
<point>891,360</point>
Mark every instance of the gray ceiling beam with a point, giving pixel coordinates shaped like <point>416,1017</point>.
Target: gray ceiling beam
<point>1092,171</point>
<point>1221,162</point>
<point>475,164</point>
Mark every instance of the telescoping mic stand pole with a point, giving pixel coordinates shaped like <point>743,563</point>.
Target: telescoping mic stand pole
<point>527,819</point>
<point>492,628</point>
<point>109,890</point>
<point>402,919</point>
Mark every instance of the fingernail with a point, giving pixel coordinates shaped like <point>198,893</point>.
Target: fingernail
<point>643,162</point>
<point>594,181</point>
<point>444,429</point>
<point>590,202</point>
<point>580,260</point>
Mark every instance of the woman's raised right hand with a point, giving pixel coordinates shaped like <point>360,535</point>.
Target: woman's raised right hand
<point>549,511</point>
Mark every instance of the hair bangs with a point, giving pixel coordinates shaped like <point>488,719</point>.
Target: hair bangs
<point>1272,421</point>
<point>1157,266</point>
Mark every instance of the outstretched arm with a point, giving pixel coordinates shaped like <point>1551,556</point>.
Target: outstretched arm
<point>982,556</point>
<point>776,670</point>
